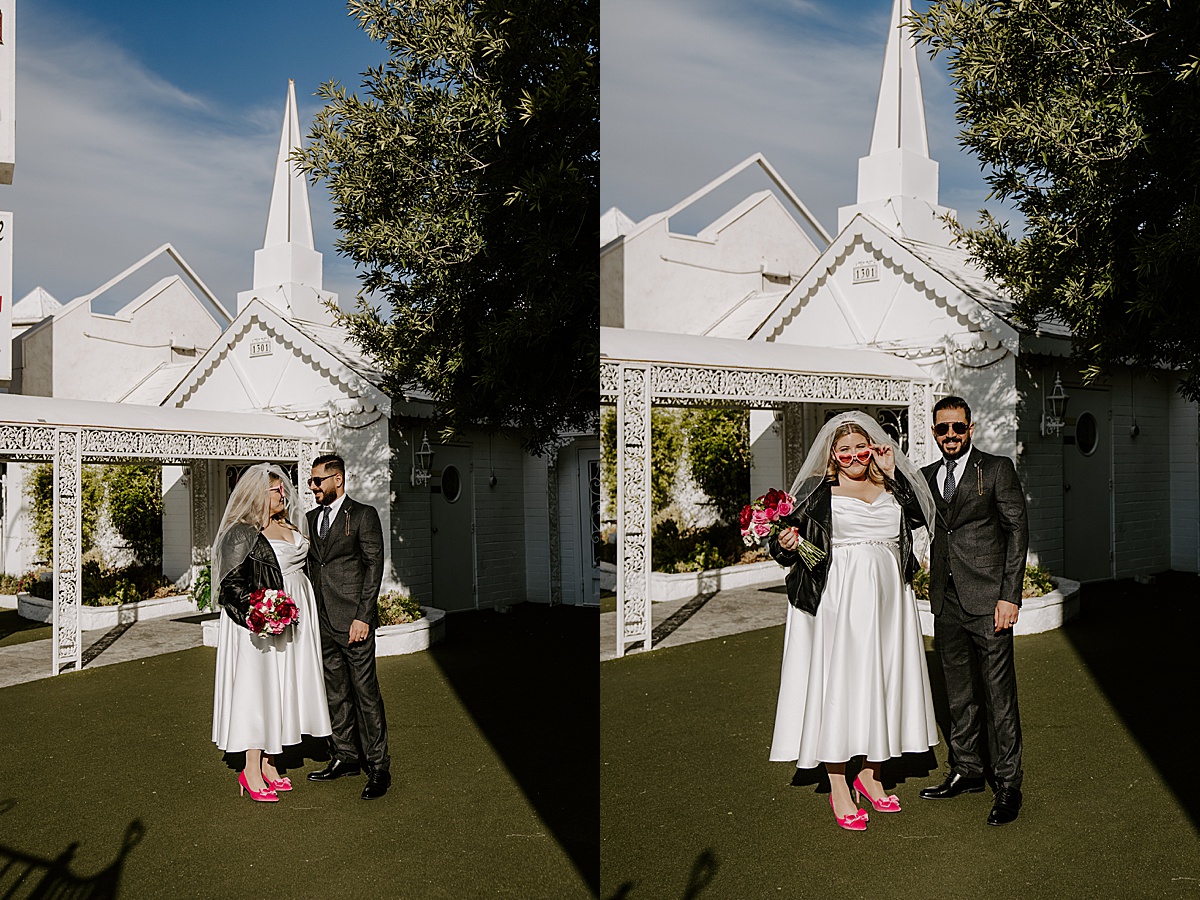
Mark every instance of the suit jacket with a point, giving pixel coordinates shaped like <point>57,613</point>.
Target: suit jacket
<point>981,536</point>
<point>346,568</point>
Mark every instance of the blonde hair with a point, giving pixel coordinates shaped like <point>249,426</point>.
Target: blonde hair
<point>832,469</point>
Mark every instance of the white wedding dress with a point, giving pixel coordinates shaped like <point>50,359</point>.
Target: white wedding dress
<point>270,689</point>
<point>854,681</point>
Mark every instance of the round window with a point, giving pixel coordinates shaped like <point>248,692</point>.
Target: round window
<point>451,484</point>
<point>1087,435</point>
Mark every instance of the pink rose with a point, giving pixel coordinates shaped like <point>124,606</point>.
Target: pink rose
<point>785,507</point>
<point>762,529</point>
<point>760,516</point>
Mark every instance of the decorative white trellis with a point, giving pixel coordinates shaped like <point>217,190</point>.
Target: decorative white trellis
<point>634,387</point>
<point>69,447</point>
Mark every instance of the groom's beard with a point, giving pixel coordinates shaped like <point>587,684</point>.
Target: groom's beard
<point>960,450</point>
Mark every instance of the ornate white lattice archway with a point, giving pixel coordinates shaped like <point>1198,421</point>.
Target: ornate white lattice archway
<point>69,433</point>
<point>640,370</point>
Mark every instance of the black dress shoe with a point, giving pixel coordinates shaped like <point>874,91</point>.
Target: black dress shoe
<point>377,785</point>
<point>336,769</point>
<point>953,786</point>
<point>1006,807</point>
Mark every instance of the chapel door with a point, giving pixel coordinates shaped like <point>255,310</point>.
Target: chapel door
<point>1087,486</point>
<point>452,517</point>
<point>589,517</point>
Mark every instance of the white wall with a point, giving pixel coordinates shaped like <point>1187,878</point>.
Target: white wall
<point>1185,485</point>
<point>1141,476</point>
<point>767,452</point>
<point>537,529</point>
<point>176,523</point>
<point>499,521</point>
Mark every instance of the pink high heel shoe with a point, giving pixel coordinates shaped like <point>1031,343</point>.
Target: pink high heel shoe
<point>279,784</point>
<point>890,803</point>
<point>856,821</point>
<point>266,795</point>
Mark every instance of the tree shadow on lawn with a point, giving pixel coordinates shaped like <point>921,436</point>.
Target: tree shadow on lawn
<point>1136,640</point>
<point>27,875</point>
<point>16,629</point>
<point>530,680</point>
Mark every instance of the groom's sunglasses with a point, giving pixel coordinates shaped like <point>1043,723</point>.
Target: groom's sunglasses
<point>846,459</point>
<point>941,429</point>
<point>317,481</point>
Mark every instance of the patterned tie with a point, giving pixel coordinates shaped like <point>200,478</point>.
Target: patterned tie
<point>323,525</point>
<point>948,489</point>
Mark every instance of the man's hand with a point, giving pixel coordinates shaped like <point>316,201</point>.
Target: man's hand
<point>1006,615</point>
<point>359,630</point>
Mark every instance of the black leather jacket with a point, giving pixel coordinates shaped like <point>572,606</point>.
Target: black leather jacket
<point>260,569</point>
<point>815,524</point>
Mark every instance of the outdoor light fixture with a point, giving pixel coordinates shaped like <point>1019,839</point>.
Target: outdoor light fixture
<point>421,460</point>
<point>1056,404</point>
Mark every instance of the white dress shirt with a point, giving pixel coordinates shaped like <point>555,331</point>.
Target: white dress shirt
<point>960,467</point>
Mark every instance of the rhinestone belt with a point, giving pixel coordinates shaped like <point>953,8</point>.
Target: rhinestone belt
<point>895,545</point>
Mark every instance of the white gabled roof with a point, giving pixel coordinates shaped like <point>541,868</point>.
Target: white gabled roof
<point>35,306</point>
<point>728,353</point>
<point>27,410</point>
<point>946,272</point>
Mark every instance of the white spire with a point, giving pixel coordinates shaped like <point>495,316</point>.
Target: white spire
<point>288,270</point>
<point>897,181</point>
<point>289,220</point>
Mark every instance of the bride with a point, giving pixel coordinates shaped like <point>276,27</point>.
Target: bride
<point>853,681</point>
<point>270,689</point>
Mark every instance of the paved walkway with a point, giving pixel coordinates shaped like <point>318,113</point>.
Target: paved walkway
<point>705,616</point>
<point>122,643</point>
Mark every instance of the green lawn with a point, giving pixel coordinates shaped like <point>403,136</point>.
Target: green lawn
<point>487,797</point>
<point>691,807</point>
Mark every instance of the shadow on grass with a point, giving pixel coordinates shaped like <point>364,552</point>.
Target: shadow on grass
<point>1136,641</point>
<point>23,875</point>
<point>704,870</point>
<point>530,681</point>
<point>16,629</point>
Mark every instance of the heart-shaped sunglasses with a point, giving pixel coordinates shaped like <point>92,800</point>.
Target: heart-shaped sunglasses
<point>846,458</point>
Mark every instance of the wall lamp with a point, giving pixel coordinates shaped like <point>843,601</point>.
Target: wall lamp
<point>1053,408</point>
<point>421,460</point>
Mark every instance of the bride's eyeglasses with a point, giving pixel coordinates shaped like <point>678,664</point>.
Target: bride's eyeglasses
<point>941,429</point>
<point>847,457</point>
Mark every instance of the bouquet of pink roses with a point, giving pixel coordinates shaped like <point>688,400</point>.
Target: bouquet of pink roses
<point>763,519</point>
<point>271,611</point>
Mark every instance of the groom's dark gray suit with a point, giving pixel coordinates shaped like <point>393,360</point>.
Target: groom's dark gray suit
<point>346,569</point>
<point>978,559</point>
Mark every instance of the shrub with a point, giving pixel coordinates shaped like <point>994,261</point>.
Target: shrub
<point>135,507</point>
<point>101,586</point>
<point>16,584</point>
<point>202,589</point>
<point>40,490</point>
<point>694,550</point>
<point>396,608</point>
<point>1037,583</point>
<point>718,448</point>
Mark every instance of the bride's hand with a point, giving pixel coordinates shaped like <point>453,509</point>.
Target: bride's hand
<point>789,538</point>
<point>885,459</point>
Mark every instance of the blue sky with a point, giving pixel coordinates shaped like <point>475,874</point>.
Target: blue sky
<point>142,122</point>
<point>689,88</point>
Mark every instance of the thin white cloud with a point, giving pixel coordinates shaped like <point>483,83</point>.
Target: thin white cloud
<point>113,161</point>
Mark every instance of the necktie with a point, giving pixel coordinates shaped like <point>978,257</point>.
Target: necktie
<point>323,525</point>
<point>948,489</point>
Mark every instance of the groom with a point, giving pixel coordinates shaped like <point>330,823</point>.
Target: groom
<point>976,572</point>
<point>345,566</point>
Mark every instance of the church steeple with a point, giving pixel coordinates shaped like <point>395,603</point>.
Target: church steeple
<point>897,181</point>
<point>288,269</point>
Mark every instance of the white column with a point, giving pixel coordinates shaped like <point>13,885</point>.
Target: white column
<point>68,537</point>
<point>633,507</point>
